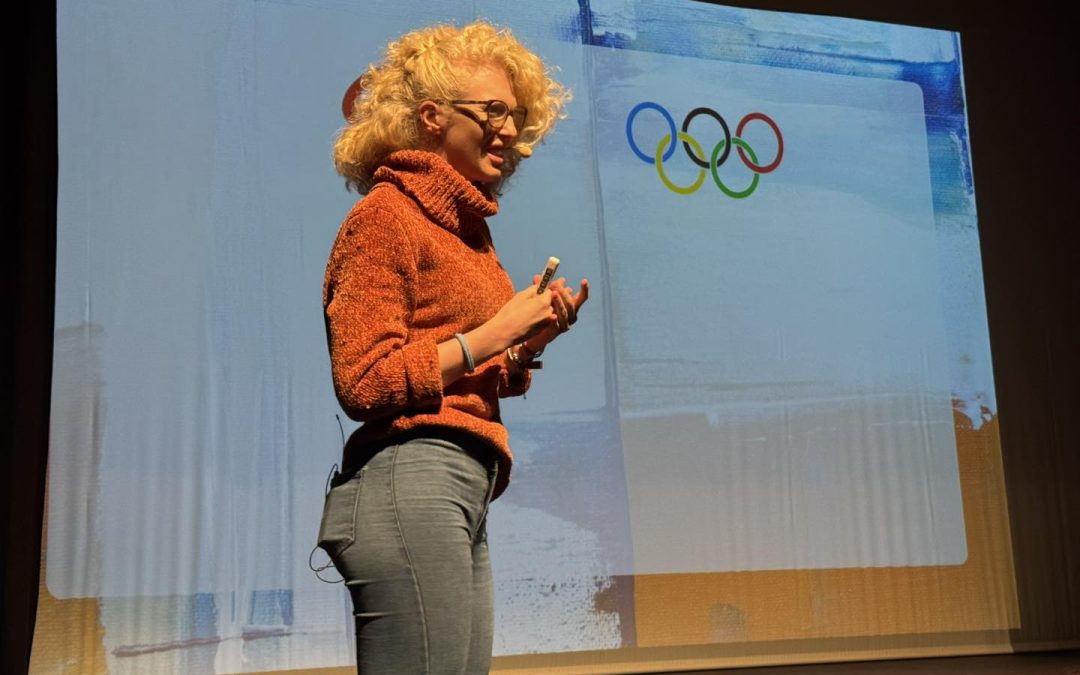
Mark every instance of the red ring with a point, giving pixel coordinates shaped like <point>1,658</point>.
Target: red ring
<point>348,101</point>
<point>779,143</point>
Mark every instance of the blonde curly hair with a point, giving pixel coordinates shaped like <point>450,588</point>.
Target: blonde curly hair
<point>432,64</point>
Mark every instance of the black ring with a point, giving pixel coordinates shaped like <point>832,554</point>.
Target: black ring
<point>704,163</point>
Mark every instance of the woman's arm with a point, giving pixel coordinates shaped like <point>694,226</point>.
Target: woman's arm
<point>525,315</point>
<point>367,301</point>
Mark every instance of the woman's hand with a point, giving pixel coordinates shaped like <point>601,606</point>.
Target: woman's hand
<point>525,315</point>
<point>529,320</point>
<point>565,305</point>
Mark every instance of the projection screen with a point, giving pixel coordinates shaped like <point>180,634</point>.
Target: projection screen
<point>772,436</point>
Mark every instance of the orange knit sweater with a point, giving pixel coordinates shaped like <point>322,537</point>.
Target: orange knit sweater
<point>412,264</point>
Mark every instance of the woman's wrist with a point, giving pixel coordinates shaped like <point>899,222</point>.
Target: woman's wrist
<point>523,357</point>
<point>530,351</point>
<point>485,343</point>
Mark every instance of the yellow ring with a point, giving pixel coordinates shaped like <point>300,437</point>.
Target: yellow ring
<point>693,187</point>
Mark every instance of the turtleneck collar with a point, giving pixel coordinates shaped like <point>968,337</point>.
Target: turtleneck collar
<point>446,196</point>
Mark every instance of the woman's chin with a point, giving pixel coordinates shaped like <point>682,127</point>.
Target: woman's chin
<point>491,172</point>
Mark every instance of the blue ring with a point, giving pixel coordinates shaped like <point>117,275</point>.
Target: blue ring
<point>630,136</point>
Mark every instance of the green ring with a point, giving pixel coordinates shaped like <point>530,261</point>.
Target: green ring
<point>716,177</point>
<point>660,165</point>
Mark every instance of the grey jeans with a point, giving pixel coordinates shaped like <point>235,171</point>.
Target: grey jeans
<point>407,532</point>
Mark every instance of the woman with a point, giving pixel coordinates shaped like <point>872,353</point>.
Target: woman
<point>426,333</point>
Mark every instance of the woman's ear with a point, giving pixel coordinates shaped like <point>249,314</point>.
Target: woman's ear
<point>431,119</point>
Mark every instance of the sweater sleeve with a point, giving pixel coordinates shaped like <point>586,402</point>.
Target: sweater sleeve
<point>367,303</point>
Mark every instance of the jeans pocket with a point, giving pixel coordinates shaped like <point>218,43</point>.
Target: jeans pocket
<point>337,531</point>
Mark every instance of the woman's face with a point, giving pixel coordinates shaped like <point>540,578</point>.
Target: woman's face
<point>466,141</point>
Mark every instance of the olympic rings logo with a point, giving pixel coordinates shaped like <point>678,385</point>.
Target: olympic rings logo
<point>720,152</point>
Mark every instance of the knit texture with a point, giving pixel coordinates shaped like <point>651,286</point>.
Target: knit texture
<point>413,263</point>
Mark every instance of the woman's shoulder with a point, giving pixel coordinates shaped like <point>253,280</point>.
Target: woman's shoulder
<point>377,227</point>
<point>385,219</point>
<point>384,204</point>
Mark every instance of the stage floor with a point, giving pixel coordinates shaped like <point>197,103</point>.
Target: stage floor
<point>1041,663</point>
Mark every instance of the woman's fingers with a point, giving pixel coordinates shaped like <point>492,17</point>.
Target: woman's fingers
<point>582,295</point>
<point>571,309</point>
<point>564,303</point>
<point>562,309</point>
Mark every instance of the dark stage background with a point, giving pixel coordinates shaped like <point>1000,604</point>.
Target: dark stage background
<point>1021,74</point>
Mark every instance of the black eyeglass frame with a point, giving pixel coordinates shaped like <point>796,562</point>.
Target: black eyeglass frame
<point>519,113</point>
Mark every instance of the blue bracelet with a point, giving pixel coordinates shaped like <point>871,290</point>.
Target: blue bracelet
<point>470,365</point>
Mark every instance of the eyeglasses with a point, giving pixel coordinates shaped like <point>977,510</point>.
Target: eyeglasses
<point>497,113</point>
